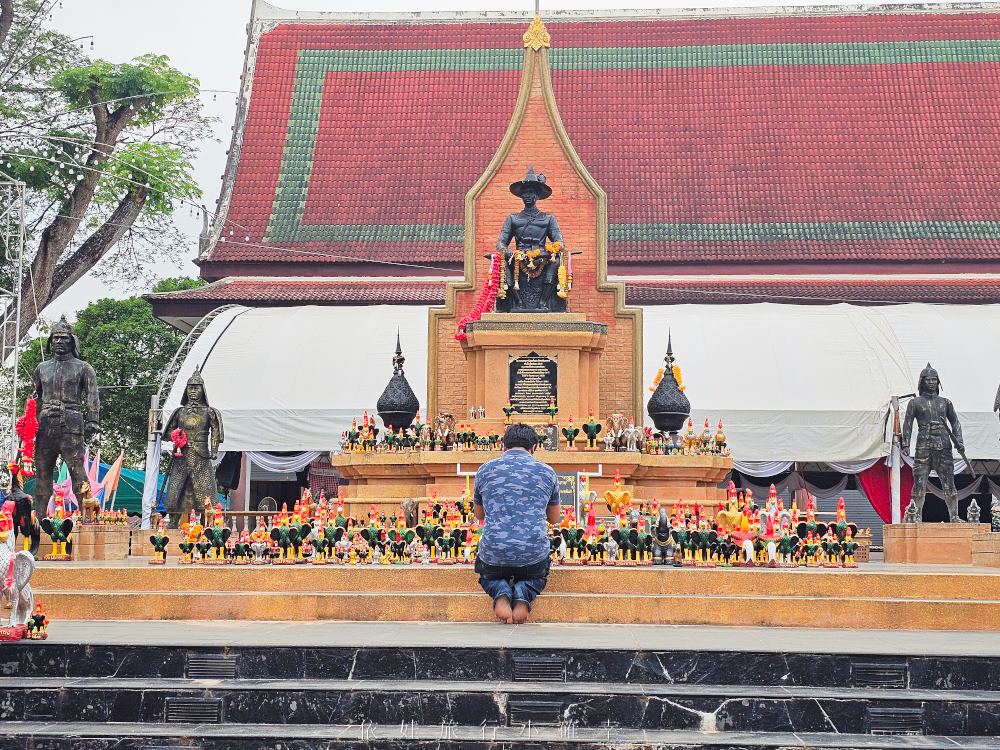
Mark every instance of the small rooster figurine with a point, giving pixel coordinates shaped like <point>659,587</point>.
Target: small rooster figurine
<point>592,429</point>
<point>38,624</point>
<point>191,532</point>
<point>159,540</point>
<point>60,531</point>
<point>217,535</point>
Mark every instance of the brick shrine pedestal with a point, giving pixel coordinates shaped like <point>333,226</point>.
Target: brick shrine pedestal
<point>495,345</point>
<point>931,543</point>
<point>986,550</point>
<point>386,479</point>
<point>98,542</point>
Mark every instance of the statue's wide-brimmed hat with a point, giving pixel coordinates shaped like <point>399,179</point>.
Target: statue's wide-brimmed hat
<point>534,181</point>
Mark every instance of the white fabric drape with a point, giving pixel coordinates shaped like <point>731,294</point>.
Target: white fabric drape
<point>791,483</point>
<point>300,395</point>
<point>283,464</point>
<point>960,464</point>
<point>824,493</point>
<point>816,388</point>
<point>972,489</point>
<point>761,468</point>
<point>151,481</point>
<point>853,467</point>
<point>994,488</point>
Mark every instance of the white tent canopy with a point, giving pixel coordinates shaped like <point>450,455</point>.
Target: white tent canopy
<point>790,382</point>
<point>292,378</point>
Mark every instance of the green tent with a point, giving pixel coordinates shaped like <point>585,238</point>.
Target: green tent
<point>129,496</point>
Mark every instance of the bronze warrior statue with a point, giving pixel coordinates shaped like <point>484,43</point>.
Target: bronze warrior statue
<point>192,476</point>
<point>937,429</point>
<point>62,385</point>
<point>529,276</point>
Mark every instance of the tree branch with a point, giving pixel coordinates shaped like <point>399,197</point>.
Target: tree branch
<point>95,247</point>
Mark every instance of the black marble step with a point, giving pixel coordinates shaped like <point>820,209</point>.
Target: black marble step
<point>90,736</point>
<point>635,706</point>
<point>718,667</point>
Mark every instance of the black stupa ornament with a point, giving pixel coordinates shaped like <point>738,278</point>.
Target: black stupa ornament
<point>398,405</point>
<point>668,407</point>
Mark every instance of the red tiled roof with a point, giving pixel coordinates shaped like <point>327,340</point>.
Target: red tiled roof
<point>954,291</point>
<point>725,140</point>
<point>258,292</point>
<point>721,290</point>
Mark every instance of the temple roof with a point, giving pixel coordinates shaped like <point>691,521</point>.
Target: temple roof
<point>791,139</point>
<point>183,309</point>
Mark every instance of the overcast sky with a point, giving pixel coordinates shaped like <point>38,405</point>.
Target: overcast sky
<point>206,39</point>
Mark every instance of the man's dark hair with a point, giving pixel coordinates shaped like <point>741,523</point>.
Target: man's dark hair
<point>520,435</point>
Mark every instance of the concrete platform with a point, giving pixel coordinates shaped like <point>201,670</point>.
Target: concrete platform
<point>878,596</point>
<point>244,633</point>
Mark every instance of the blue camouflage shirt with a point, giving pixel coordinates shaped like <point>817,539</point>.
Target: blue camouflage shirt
<point>514,491</point>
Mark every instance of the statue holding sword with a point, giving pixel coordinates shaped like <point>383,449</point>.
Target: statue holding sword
<point>937,430</point>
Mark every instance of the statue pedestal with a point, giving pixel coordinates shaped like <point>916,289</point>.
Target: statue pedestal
<point>386,479</point>
<point>986,550</point>
<point>931,543</point>
<point>528,357</point>
<point>100,542</point>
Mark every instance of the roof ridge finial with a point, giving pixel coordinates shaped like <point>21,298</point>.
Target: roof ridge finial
<point>537,36</point>
<point>398,359</point>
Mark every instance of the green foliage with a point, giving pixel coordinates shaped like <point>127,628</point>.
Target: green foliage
<point>51,170</point>
<point>30,55</point>
<point>129,349</point>
<point>92,140</point>
<point>178,284</point>
<point>147,85</point>
<point>161,168</point>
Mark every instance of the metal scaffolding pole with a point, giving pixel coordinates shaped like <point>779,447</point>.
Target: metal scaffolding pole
<point>12,236</point>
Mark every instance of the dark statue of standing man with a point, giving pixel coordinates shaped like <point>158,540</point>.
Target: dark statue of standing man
<point>530,273</point>
<point>62,386</point>
<point>937,429</point>
<point>192,476</point>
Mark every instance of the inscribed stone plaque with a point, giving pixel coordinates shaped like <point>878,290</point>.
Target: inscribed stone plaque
<point>567,487</point>
<point>532,382</point>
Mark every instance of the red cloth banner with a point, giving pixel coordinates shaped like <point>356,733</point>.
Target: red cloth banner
<point>876,481</point>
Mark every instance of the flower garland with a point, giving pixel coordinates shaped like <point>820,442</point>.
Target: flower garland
<point>26,428</point>
<point>487,297</point>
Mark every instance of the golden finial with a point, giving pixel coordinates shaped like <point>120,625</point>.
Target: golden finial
<point>536,36</point>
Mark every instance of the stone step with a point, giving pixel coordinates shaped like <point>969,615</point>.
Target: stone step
<point>876,582</point>
<point>432,702</point>
<point>292,655</point>
<point>132,736</point>
<point>830,611</point>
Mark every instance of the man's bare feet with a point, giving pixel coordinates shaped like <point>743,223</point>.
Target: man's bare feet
<point>501,608</point>
<point>520,613</point>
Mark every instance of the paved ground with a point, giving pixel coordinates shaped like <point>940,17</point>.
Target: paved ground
<point>531,635</point>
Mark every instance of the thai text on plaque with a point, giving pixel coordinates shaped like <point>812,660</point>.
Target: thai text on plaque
<point>532,382</point>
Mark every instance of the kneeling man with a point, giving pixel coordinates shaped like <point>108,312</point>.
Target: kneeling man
<point>516,496</point>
